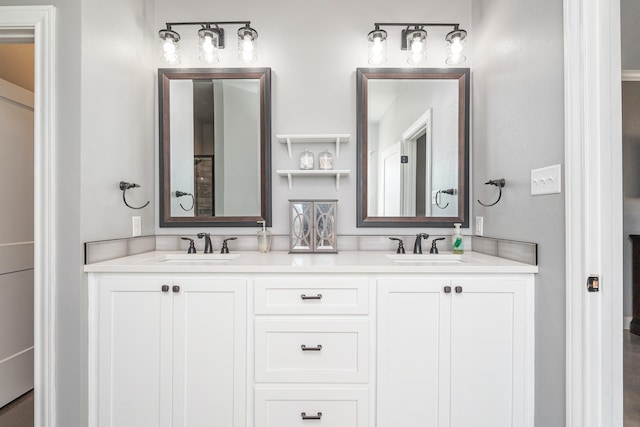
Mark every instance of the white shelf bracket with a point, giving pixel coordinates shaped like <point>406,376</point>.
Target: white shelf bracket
<point>337,147</point>
<point>290,178</point>
<point>337,182</point>
<point>289,150</point>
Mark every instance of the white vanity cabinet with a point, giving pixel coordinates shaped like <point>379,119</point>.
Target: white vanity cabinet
<point>167,351</point>
<point>312,351</point>
<point>290,340</point>
<point>455,351</point>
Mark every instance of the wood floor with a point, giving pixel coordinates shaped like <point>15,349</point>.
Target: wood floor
<point>19,413</point>
<point>631,380</point>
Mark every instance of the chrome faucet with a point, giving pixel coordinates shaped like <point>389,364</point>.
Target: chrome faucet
<point>208,248</point>
<point>417,246</point>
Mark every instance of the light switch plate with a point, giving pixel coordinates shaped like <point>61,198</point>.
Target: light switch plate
<point>546,180</point>
<point>136,222</point>
<point>479,226</point>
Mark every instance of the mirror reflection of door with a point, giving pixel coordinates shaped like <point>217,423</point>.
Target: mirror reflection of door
<point>423,116</point>
<point>214,133</point>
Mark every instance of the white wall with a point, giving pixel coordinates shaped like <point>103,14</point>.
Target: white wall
<point>518,126</point>
<point>313,49</point>
<point>16,241</point>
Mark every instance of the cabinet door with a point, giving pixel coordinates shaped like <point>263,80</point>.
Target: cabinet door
<point>488,353</point>
<point>209,355</point>
<point>134,367</point>
<point>413,352</point>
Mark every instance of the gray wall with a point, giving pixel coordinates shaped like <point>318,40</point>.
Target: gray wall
<point>313,49</point>
<point>630,15</point>
<point>629,18</point>
<point>518,126</point>
<point>631,181</point>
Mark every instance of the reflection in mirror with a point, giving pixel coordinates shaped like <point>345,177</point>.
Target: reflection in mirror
<point>215,147</point>
<point>412,147</point>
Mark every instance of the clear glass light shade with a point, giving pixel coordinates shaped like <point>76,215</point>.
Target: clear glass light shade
<point>455,40</point>
<point>377,47</point>
<point>208,46</point>
<point>247,44</point>
<point>170,47</point>
<point>417,46</point>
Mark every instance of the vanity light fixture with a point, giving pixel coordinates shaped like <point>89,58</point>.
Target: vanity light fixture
<point>210,41</point>
<point>414,40</point>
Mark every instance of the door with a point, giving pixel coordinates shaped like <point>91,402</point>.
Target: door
<point>488,359</point>
<point>209,353</point>
<point>413,352</point>
<point>134,353</point>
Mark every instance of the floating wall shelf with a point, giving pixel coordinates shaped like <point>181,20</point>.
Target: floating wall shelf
<point>315,172</point>
<point>336,138</point>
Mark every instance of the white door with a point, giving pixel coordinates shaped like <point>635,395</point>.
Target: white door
<point>488,366</point>
<point>16,242</point>
<point>134,353</point>
<point>413,353</point>
<point>209,353</point>
<point>391,175</point>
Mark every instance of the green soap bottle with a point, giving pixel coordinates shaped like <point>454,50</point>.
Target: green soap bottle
<point>457,247</point>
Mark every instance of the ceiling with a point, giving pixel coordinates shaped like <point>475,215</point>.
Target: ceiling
<point>16,64</point>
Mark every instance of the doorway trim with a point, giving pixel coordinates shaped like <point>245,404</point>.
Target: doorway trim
<point>41,19</point>
<point>593,212</point>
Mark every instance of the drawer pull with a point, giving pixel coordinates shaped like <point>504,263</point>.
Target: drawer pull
<point>316,348</point>
<point>447,289</point>
<point>458,289</point>
<point>303,296</point>
<point>311,417</point>
<point>165,288</point>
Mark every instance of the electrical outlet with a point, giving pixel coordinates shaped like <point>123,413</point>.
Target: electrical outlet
<point>136,222</point>
<point>479,226</point>
<point>546,180</point>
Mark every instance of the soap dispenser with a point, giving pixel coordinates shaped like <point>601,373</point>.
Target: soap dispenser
<point>457,247</point>
<point>264,238</point>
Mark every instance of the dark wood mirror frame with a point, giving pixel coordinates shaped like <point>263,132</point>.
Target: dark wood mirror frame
<point>264,76</point>
<point>363,75</point>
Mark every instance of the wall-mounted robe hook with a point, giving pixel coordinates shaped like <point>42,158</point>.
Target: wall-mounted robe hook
<point>181,194</point>
<point>124,186</point>
<point>498,183</point>
<point>450,191</point>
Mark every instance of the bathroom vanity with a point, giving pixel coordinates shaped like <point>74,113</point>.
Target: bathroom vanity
<point>357,339</point>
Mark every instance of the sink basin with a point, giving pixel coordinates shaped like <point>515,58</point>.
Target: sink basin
<point>197,258</point>
<point>426,258</point>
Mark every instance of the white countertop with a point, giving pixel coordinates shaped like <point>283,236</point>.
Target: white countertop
<point>283,262</point>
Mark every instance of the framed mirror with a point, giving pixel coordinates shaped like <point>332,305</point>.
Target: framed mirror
<point>413,147</point>
<point>215,147</point>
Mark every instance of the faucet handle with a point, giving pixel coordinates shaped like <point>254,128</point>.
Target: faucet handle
<point>434,247</point>
<point>225,247</point>
<point>192,245</point>
<point>400,249</point>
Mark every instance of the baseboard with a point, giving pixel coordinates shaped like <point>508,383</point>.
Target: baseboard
<point>627,322</point>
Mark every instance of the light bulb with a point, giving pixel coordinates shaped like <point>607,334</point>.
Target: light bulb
<point>416,46</point>
<point>377,46</point>
<point>207,44</point>
<point>456,46</point>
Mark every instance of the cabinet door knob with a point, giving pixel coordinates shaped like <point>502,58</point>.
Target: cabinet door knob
<point>304,297</point>
<point>311,417</point>
<point>458,289</point>
<point>176,288</point>
<point>165,288</point>
<point>316,348</point>
<point>447,289</point>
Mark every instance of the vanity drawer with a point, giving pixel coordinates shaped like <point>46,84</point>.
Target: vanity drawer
<point>329,407</point>
<point>316,351</point>
<point>327,295</point>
